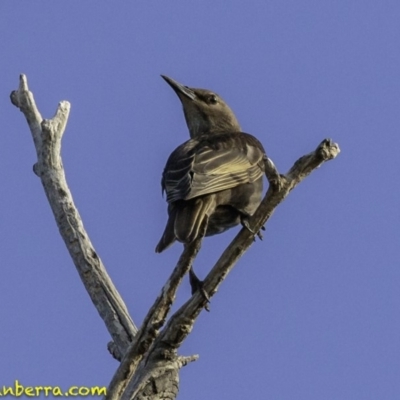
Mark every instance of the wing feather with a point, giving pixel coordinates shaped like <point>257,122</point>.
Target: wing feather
<point>211,164</point>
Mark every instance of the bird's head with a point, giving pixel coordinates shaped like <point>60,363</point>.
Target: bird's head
<point>205,111</point>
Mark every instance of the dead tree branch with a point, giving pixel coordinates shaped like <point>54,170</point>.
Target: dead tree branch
<point>47,135</point>
<point>160,363</point>
<point>153,321</point>
<point>150,363</point>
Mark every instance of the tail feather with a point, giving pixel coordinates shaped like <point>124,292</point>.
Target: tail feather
<point>168,237</point>
<point>186,220</point>
<point>189,219</point>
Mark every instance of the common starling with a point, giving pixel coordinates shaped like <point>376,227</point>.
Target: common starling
<point>213,181</point>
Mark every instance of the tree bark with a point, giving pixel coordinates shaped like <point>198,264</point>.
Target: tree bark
<point>150,363</point>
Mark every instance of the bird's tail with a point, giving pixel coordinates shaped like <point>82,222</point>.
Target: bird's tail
<point>168,236</point>
<point>185,220</point>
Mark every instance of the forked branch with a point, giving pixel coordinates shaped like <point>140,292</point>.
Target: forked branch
<point>180,324</point>
<point>150,363</point>
<point>47,136</point>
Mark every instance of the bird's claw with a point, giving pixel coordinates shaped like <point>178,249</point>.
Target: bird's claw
<point>259,234</point>
<point>198,285</point>
<point>245,223</point>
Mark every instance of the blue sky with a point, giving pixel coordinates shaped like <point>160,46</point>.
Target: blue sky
<point>312,312</point>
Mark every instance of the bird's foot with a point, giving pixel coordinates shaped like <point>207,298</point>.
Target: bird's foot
<point>198,285</point>
<point>259,234</point>
<point>245,223</point>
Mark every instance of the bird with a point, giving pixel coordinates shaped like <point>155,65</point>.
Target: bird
<point>214,180</point>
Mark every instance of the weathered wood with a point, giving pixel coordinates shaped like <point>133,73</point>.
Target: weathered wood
<point>160,362</point>
<point>47,135</point>
<point>150,363</point>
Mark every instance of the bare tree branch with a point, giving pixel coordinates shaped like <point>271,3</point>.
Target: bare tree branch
<point>162,356</point>
<point>154,320</point>
<point>181,323</point>
<point>47,135</point>
<point>150,364</point>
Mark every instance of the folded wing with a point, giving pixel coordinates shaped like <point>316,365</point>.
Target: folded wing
<point>212,163</point>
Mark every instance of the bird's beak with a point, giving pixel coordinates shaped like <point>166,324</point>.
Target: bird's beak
<point>180,89</point>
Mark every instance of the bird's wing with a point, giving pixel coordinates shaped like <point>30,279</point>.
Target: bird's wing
<point>211,164</point>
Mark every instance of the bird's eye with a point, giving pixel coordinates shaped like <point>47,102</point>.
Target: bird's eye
<point>213,99</point>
